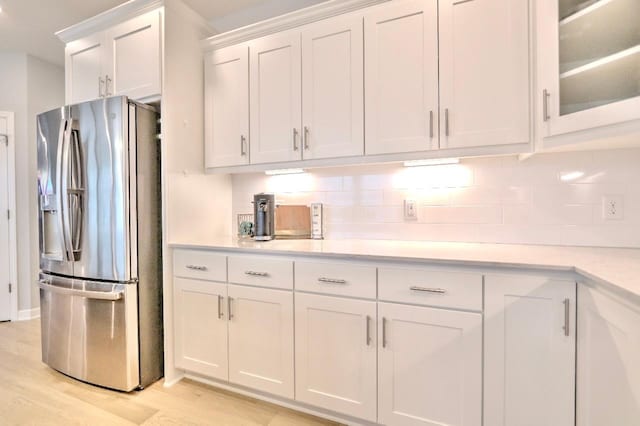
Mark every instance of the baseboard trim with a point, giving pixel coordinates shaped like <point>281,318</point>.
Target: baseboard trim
<point>28,314</point>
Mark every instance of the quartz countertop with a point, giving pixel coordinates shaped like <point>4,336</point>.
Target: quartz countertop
<point>618,268</point>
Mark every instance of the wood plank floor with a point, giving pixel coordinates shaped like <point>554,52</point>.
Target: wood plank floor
<point>33,394</point>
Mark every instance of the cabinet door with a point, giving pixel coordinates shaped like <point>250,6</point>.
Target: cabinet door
<point>332,88</point>
<point>200,327</point>
<point>275,98</point>
<point>133,60</point>
<point>484,73</point>
<point>529,344</point>
<point>401,84</point>
<point>261,339</point>
<point>336,354</point>
<point>608,376</point>
<point>430,366</point>
<point>84,79</point>
<point>227,107</point>
<point>588,64</point>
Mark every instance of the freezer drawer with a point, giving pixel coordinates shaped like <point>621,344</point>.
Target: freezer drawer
<point>89,330</point>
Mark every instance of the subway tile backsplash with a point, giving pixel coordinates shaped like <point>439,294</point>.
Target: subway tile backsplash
<point>547,199</point>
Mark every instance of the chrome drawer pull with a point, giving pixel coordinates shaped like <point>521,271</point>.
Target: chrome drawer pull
<point>197,267</point>
<point>332,280</point>
<point>257,274</point>
<point>428,290</point>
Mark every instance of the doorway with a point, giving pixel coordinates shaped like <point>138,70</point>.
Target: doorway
<point>8,263</point>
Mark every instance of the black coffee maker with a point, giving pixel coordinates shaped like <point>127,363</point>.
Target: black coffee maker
<point>264,208</point>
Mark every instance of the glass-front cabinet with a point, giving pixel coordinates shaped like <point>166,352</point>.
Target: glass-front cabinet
<point>589,63</point>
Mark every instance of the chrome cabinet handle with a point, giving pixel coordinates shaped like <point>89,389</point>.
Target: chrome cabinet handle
<point>197,267</point>
<point>295,139</point>
<point>565,327</point>
<point>306,137</point>
<point>229,299</point>
<point>431,124</point>
<point>256,274</point>
<point>332,280</point>
<point>243,141</point>
<point>428,289</point>
<point>368,333</point>
<point>384,332</point>
<point>446,121</point>
<point>220,307</point>
<point>107,81</point>
<point>100,86</point>
<point>545,105</point>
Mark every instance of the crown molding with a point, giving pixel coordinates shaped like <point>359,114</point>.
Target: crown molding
<point>286,22</point>
<point>107,19</point>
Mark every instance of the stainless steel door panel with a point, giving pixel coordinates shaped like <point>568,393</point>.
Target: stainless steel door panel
<point>52,219</point>
<point>98,194</point>
<point>89,330</point>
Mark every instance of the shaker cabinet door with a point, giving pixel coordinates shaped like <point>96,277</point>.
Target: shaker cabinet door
<point>429,366</point>
<point>336,354</point>
<point>332,88</point>
<point>84,79</point>
<point>261,339</point>
<point>133,60</point>
<point>275,98</point>
<point>227,107</point>
<point>200,327</point>
<point>529,358</point>
<point>484,73</point>
<point>401,84</point>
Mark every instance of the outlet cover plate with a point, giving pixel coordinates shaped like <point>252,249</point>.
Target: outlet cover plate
<point>613,207</point>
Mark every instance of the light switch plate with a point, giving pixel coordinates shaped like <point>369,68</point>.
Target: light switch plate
<point>410,210</point>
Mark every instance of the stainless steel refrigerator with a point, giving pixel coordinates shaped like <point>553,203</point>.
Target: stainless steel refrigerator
<point>100,242</point>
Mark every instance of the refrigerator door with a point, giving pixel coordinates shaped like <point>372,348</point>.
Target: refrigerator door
<point>99,201</point>
<point>53,220</point>
<point>89,330</point>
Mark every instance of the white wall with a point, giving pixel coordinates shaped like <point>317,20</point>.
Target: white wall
<point>498,200</point>
<point>27,86</point>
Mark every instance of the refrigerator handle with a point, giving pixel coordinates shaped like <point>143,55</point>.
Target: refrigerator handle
<point>75,193</point>
<point>63,168</point>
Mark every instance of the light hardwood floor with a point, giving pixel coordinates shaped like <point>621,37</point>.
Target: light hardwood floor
<point>33,394</point>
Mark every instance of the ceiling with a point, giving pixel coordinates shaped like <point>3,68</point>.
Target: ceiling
<point>29,25</point>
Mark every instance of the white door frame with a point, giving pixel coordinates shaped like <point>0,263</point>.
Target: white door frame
<point>11,181</point>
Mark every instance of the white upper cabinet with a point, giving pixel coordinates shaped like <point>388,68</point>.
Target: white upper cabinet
<point>401,84</point>
<point>529,351</point>
<point>122,60</point>
<point>484,73</point>
<point>608,387</point>
<point>133,57</point>
<point>588,64</point>
<point>332,88</point>
<point>227,107</point>
<point>275,98</point>
<point>429,366</point>
<point>336,354</point>
<point>83,68</point>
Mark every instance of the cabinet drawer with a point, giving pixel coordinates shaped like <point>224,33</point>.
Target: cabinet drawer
<point>336,278</point>
<point>199,264</point>
<point>261,271</point>
<point>459,290</point>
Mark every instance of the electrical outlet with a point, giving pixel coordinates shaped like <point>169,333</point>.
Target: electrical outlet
<point>410,210</point>
<point>613,207</point>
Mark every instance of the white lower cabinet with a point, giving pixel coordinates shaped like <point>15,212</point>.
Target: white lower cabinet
<point>529,351</point>
<point>336,354</point>
<point>200,327</point>
<point>429,366</point>
<point>608,387</point>
<point>261,339</point>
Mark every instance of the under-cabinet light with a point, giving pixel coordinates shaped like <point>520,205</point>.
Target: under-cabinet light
<point>431,162</point>
<point>283,172</point>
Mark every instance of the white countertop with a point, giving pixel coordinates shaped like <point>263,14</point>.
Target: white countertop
<point>615,267</point>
